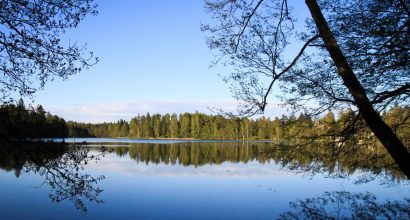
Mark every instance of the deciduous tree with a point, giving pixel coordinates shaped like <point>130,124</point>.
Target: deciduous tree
<point>32,49</point>
<point>353,54</point>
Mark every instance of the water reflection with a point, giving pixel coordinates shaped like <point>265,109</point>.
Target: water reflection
<point>371,162</point>
<point>60,165</point>
<point>346,205</point>
<point>185,180</point>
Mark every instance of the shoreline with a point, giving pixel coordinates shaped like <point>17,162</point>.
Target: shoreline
<point>147,140</point>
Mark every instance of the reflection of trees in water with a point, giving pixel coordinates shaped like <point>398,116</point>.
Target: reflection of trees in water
<point>346,205</point>
<point>335,161</point>
<point>372,161</point>
<point>61,166</point>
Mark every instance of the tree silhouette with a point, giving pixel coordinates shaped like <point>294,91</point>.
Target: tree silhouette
<point>345,205</point>
<point>18,122</point>
<point>61,166</point>
<point>353,54</point>
<point>32,51</point>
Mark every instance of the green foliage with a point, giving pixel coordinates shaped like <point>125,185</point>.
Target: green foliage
<point>17,121</point>
<point>399,120</point>
<point>118,129</point>
<point>328,128</point>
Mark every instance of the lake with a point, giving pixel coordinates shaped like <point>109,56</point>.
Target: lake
<point>177,179</point>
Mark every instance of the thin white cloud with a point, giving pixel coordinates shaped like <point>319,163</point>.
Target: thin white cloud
<point>110,112</point>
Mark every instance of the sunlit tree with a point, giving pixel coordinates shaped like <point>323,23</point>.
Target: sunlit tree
<point>352,54</point>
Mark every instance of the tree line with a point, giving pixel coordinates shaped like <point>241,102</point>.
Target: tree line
<point>20,122</point>
<point>202,126</point>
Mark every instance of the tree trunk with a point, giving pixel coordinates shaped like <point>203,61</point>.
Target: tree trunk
<point>382,131</point>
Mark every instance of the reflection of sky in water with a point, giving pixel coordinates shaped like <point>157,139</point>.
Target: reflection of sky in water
<point>136,190</point>
<point>124,165</point>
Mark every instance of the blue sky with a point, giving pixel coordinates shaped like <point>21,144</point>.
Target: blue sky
<point>153,58</point>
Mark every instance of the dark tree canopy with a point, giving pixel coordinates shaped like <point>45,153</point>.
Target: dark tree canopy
<point>353,54</point>
<point>257,38</point>
<point>375,39</point>
<point>32,51</point>
<point>17,122</point>
<point>346,205</point>
<point>60,165</point>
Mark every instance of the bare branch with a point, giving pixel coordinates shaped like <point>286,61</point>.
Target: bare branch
<point>381,97</point>
<point>246,22</point>
<point>275,77</point>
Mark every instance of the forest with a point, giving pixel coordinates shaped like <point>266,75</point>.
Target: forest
<point>19,121</point>
<point>340,67</point>
<point>217,127</point>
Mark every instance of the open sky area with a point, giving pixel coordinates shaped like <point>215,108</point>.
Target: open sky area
<point>153,58</point>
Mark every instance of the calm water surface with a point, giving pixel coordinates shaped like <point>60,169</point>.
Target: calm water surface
<point>162,179</point>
